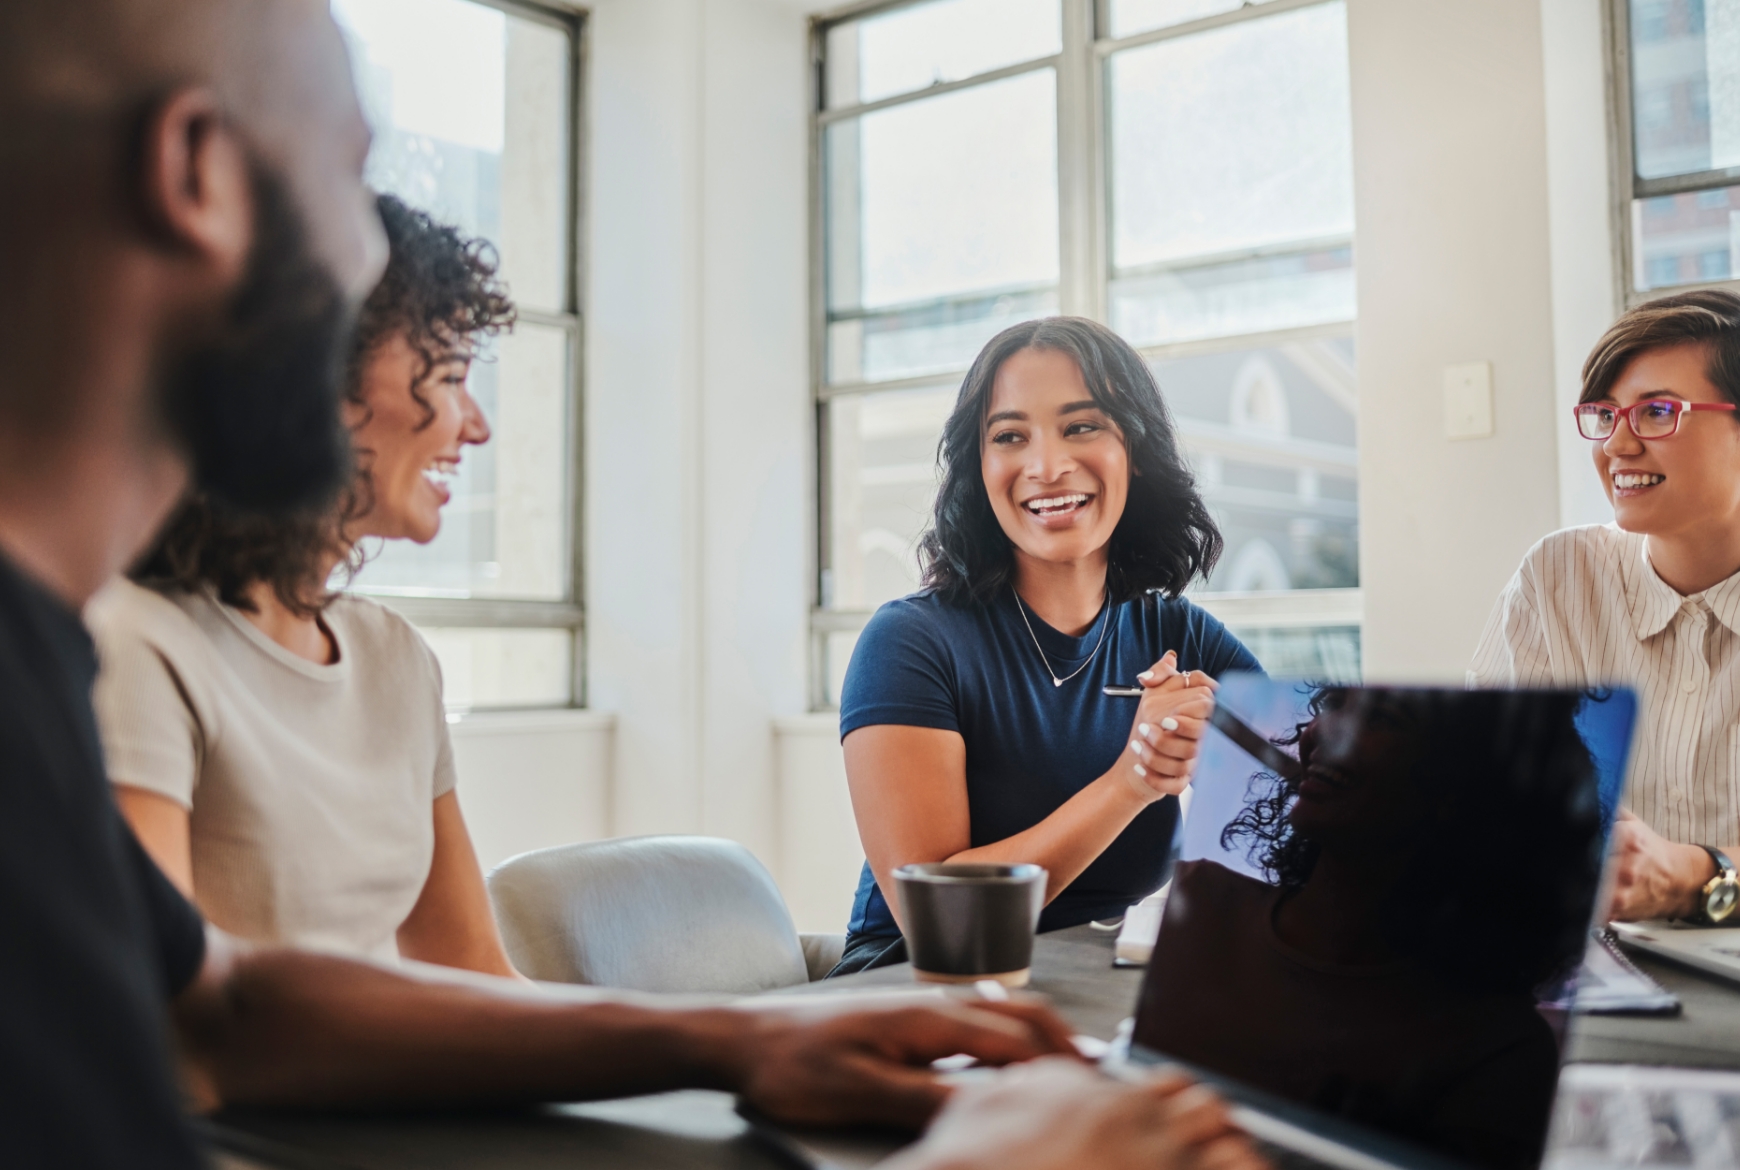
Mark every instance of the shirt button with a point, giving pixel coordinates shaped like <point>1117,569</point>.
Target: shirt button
<point>1690,685</point>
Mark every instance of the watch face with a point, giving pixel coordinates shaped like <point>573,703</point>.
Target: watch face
<point>1719,903</point>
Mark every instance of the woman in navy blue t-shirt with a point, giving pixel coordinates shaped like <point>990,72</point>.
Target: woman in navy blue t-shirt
<point>973,715</point>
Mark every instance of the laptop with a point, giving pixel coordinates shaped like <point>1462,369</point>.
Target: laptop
<point>1380,895</point>
<point>1711,949</point>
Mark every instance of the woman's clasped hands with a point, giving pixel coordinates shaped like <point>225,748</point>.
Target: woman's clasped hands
<point>1166,735</point>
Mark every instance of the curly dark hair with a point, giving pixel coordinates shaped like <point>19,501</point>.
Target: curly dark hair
<point>1502,876</point>
<point>441,292</point>
<point>1165,537</point>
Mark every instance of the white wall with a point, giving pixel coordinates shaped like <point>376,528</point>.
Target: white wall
<point>698,459</point>
<point>532,779</point>
<point>1586,295</point>
<point>1455,265</point>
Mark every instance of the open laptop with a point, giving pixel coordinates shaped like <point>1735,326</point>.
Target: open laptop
<point>1377,891</point>
<point>1712,949</point>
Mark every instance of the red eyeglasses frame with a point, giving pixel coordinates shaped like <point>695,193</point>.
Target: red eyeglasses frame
<point>1680,405</point>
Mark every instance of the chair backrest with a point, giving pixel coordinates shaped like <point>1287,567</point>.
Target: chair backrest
<point>675,914</point>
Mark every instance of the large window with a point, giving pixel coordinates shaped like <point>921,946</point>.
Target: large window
<point>474,112</point>
<point>1180,169</point>
<point>1679,117</point>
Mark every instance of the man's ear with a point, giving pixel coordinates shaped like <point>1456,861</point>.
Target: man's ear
<point>194,185</point>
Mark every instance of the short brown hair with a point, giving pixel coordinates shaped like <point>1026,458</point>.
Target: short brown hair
<point>1708,316</point>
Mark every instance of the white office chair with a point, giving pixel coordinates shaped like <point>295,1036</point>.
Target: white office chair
<point>672,914</point>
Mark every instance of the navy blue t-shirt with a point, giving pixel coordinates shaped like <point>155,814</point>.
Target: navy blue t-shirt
<point>1031,745</point>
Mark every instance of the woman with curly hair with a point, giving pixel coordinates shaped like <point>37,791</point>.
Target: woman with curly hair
<point>280,749</point>
<point>974,716</point>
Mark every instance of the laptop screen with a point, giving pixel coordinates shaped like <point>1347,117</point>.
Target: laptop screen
<point>1376,890</point>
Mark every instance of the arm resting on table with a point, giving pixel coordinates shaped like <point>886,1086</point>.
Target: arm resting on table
<point>292,1028</point>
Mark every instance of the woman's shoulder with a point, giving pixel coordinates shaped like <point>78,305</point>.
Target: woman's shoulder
<point>1196,635</point>
<point>1580,556</point>
<point>923,617</point>
<point>377,630</point>
<point>125,614</point>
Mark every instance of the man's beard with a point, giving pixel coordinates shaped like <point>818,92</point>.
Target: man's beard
<point>256,408</point>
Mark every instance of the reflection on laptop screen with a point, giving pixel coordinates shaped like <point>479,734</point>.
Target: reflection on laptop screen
<point>1376,887</point>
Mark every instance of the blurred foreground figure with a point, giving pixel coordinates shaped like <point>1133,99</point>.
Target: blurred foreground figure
<point>184,234</point>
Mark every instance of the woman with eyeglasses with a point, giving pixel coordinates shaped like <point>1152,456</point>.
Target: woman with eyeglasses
<point>1652,600</point>
<point>975,716</point>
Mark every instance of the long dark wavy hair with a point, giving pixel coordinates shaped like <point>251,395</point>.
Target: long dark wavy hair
<point>1165,537</point>
<point>441,292</point>
<point>1501,877</point>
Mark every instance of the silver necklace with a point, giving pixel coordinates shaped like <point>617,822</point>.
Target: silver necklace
<point>1055,681</point>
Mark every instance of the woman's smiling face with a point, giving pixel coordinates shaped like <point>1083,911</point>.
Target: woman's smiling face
<point>1685,482</point>
<point>409,443</point>
<point>1054,464</point>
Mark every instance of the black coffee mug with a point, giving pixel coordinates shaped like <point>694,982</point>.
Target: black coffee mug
<point>966,922</point>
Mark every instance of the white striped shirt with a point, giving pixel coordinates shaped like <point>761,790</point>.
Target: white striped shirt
<point>1586,608</point>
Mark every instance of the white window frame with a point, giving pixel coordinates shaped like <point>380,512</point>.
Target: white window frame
<point>1084,213</point>
<point>1627,188</point>
<point>569,612</point>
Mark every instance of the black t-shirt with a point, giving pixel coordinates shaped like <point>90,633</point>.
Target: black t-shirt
<point>94,941</point>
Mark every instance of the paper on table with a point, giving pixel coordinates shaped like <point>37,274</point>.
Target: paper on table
<point>1610,1116</point>
<point>1141,928</point>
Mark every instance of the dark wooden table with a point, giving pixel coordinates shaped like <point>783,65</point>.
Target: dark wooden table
<point>701,1129</point>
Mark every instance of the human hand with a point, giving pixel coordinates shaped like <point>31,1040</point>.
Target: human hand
<point>1058,1115</point>
<point>1652,876</point>
<point>832,1067</point>
<point>1166,734</point>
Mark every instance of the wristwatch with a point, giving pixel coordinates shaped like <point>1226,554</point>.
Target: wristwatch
<point>1721,894</point>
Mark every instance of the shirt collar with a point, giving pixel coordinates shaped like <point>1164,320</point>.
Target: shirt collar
<point>1723,599</point>
<point>1654,602</point>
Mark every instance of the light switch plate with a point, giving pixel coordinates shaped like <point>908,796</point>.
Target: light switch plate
<point>1468,401</point>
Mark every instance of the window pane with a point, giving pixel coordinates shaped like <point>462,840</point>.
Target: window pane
<point>470,109</point>
<point>1255,295</point>
<point>1318,653</point>
<point>947,40</point>
<point>1134,16</point>
<point>1687,239</point>
<point>505,531</point>
<point>1271,434</point>
<point>882,480</point>
<point>504,668</point>
<point>950,197</point>
<point>928,339</point>
<point>1232,140</point>
<point>1685,67</point>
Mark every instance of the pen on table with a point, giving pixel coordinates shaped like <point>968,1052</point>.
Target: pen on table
<point>1117,692</point>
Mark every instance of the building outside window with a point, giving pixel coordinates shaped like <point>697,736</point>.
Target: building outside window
<point>474,112</point>
<point>1179,169</point>
<point>1678,113</point>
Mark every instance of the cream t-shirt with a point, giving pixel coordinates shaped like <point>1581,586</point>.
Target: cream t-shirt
<point>309,786</point>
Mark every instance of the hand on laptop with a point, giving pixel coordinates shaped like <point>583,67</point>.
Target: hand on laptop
<point>827,1067</point>
<point>1652,876</point>
<point>1059,1115</point>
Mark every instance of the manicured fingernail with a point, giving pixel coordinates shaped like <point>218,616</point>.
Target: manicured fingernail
<point>1142,730</point>
<point>1137,748</point>
<point>1141,771</point>
<point>1145,675</point>
<point>1169,724</point>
